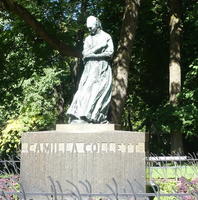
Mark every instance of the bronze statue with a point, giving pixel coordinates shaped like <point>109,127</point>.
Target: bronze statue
<point>91,101</point>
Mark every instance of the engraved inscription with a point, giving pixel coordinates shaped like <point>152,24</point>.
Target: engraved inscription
<point>50,148</point>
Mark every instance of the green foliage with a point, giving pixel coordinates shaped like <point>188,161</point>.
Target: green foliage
<point>31,93</point>
<point>182,185</point>
<point>133,116</point>
<point>10,137</point>
<point>188,101</point>
<point>37,111</point>
<point>40,98</point>
<point>183,116</point>
<point>30,96</point>
<point>166,186</point>
<point>147,107</point>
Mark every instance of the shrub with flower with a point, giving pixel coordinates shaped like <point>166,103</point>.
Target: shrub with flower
<point>190,187</point>
<point>9,184</point>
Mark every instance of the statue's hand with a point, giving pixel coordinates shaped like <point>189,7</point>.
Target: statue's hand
<point>91,55</point>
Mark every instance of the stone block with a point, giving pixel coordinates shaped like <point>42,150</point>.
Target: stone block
<point>87,127</point>
<point>100,158</point>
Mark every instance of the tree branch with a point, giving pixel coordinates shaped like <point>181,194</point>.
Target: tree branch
<point>24,14</point>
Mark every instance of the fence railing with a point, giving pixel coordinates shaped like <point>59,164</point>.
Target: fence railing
<point>168,167</point>
<point>110,196</point>
<point>78,193</point>
<point>157,166</point>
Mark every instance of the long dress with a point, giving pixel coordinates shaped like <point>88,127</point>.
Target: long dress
<point>92,99</point>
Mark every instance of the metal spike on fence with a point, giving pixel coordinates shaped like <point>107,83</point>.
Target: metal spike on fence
<point>154,189</point>
<point>191,157</point>
<point>140,185</point>
<point>11,166</point>
<point>53,187</point>
<point>89,185</point>
<point>84,186</point>
<point>78,195</point>
<point>132,189</point>
<point>16,169</point>
<point>111,189</point>
<point>22,192</point>
<point>9,162</point>
<point>7,168</point>
<point>116,188</point>
<point>60,188</point>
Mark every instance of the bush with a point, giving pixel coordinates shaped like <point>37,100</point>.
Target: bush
<point>37,110</point>
<point>166,186</point>
<point>9,184</point>
<point>188,186</point>
<point>182,185</point>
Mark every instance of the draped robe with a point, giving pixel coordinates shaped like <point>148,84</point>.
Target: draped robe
<point>92,99</point>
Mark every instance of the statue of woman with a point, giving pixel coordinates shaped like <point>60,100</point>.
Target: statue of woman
<point>91,101</point>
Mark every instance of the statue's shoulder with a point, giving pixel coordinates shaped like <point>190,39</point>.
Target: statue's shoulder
<point>105,34</point>
<point>87,38</point>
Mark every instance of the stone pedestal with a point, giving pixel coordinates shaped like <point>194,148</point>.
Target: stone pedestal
<point>72,155</point>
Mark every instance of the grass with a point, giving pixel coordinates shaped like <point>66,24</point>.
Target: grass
<point>173,172</point>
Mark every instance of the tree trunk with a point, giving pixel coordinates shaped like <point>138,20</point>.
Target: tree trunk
<point>175,68</point>
<point>176,142</point>
<point>23,13</point>
<point>122,59</point>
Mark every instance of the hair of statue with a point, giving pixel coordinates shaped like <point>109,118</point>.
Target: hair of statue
<point>98,23</point>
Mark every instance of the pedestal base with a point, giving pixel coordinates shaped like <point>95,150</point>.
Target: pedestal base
<point>97,158</point>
